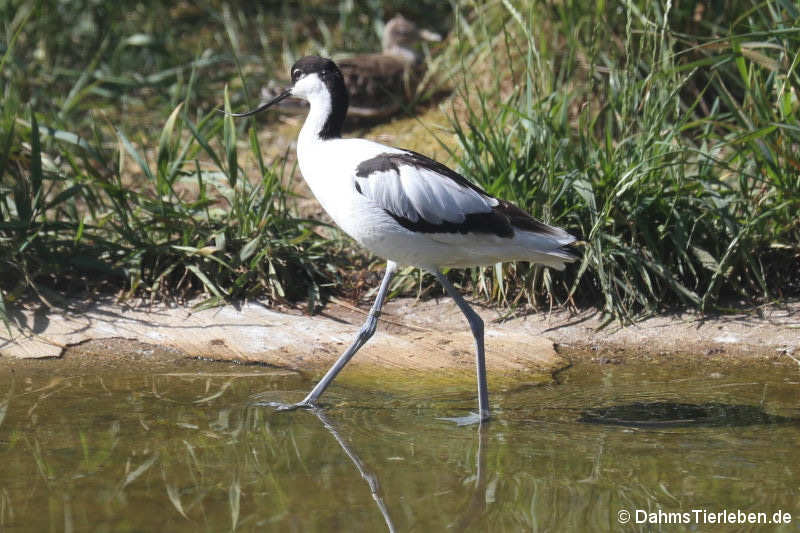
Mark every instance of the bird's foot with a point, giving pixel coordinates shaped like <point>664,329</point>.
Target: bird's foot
<point>468,420</point>
<point>279,406</point>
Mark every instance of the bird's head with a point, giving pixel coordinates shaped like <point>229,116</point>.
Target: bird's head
<point>313,78</point>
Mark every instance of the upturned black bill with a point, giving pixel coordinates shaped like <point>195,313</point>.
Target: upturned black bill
<point>285,94</point>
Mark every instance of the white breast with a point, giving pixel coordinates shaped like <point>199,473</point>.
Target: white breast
<point>329,169</point>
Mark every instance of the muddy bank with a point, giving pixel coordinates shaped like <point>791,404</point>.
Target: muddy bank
<point>253,334</point>
<point>768,332</point>
<point>424,336</point>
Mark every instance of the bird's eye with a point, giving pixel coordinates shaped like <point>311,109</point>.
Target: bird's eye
<point>296,74</point>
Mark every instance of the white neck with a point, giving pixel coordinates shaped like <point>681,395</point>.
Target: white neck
<point>320,110</point>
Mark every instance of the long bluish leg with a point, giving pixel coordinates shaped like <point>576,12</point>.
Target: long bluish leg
<point>363,336</point>
<point>476,325</point>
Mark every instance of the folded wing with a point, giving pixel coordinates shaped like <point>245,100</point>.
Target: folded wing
<point>425,196</point>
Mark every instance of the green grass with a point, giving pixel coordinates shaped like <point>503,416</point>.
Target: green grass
<point>183,227</point>
<point>674,156</point>
<point>117,174</point>
<point>665,139</point>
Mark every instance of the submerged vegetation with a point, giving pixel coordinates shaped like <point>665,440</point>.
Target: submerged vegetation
<point>665,136</point>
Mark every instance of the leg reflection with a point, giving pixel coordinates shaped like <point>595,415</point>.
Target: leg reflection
<point>477,504</point>
<point>369,477</point>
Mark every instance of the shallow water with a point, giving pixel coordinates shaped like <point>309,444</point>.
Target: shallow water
<point>181,446</point>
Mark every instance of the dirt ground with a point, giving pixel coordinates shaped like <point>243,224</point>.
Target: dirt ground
<point>413,335</point>
<point>764,332</point>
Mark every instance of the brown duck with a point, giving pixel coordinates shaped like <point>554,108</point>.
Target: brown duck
<point>379,84</point>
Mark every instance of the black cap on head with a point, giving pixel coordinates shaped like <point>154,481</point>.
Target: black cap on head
<point>332,77</point>
<point>314,64</point>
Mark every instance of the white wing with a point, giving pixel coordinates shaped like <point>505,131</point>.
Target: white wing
<point>416,188</point>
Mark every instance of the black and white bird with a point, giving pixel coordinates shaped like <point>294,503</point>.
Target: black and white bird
<point>407,208</point>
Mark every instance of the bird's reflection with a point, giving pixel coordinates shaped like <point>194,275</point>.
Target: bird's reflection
<point>477,504</point>
<point>368,476</point>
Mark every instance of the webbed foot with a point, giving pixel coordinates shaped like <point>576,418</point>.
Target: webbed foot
<point>468,420</point>
<point>279,406</point>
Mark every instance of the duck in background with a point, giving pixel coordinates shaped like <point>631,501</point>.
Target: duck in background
<point>381,84</point>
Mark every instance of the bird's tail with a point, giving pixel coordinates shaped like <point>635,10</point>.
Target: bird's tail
<point>554,249</point>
